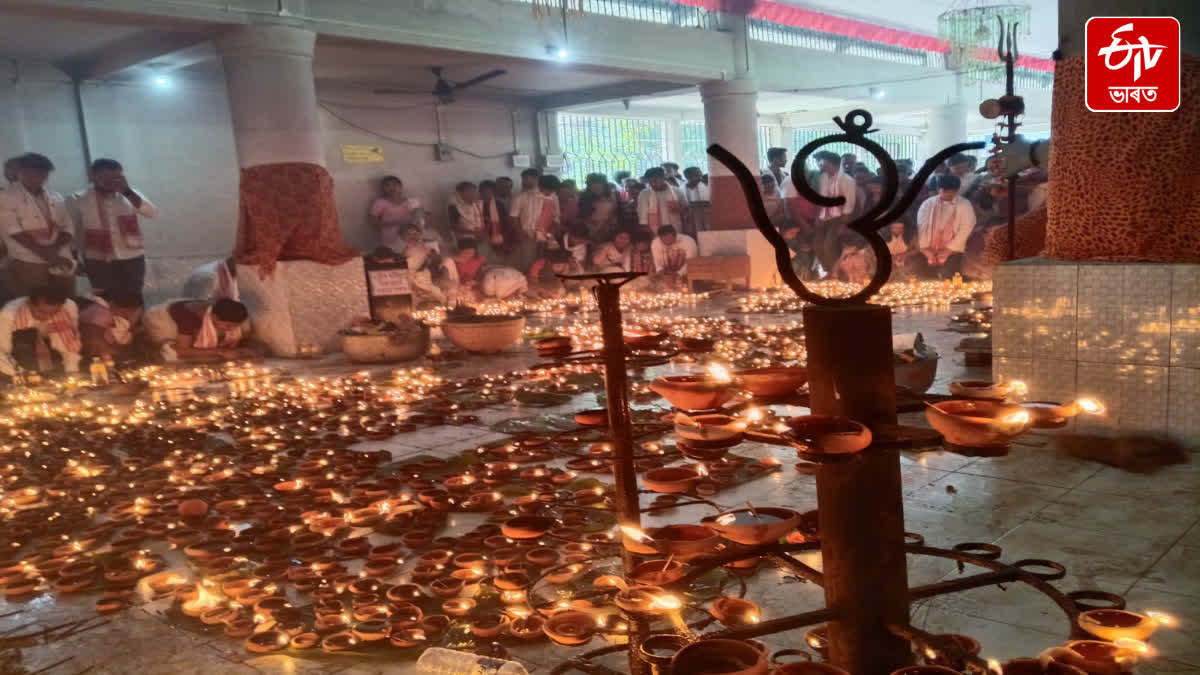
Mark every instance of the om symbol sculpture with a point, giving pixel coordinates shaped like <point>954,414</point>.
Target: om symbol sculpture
<point>856,127</point>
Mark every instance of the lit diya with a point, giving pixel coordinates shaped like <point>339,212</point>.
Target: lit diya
<point>570,628</point>
<point>978,424</point>
<point>682,539</point>
<point>733,611</point>
<point>1114,624</point>
<point>709,427</point>
<point>829,434</point>
<point>671,479</point>
<point>636,339</point>
<point>753,526</point>
<point>989,391</point>
<point>774,381</point>
<point>1048,415</point>
<point>526,527</point>
<point>697,392</point>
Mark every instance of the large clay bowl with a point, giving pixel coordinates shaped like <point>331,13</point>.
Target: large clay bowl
<point>774,381</point>
<point>1111,624</point>
<point>832,435</point>
<point>484,334</point>
<point>974,423</point>
<point>383,348</point>
<point>570,628</point>
<point>693,392</point>
<point>671,479</point>
<point>720,657</point>
<point>743,527</point>
<point>1098,658</point>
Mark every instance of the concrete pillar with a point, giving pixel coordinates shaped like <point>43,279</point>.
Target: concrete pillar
<point>272,96</point>
<point>730,119</point>
<point>945,125</point>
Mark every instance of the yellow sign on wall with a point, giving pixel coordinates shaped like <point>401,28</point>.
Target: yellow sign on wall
<point>362,154</point>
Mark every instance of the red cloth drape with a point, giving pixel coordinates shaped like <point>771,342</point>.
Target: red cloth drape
<point>800,17</point>
<point>288,212</point>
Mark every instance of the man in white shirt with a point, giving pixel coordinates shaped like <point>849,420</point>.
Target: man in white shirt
<point>671,251</point>
<point>944,223</point>
<point>36,230</point>
<point>661,204</point>
<point>108,229</point>
<point>832,181</point>
<point>36,329</point>
<point>776,161</point>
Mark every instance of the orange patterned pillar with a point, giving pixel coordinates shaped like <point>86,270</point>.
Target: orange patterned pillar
<point>730,119</point>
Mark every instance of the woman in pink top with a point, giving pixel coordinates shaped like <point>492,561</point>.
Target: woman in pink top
<point>392,211</point>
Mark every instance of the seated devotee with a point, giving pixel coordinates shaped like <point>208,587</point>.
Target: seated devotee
<point>641,260</point>
<point>578,243</point>
<point>107,216</point>
<point>199,330</point>
<point>391,212</point>
<point>671,251</point>
<point>855,264</point>
<point>37,229</point>
<point>433,279</point>
<point>468,266</point>
<point>614,256</point>
<point>109,322</point>
<point>217,279</point>
<point>773,201</point>
<point>598,208</point>
<point>40,333</point>
<point>944,223</point>
<point>661,204</point>
<point>901,251</point>
<point>544,281</point>
<point>804,258</point>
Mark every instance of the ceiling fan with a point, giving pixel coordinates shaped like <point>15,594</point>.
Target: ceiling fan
<point>444,89</point>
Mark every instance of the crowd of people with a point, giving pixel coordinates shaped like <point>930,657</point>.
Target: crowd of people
<point>496,241</point>
<point>499,241</point>
<point>46,241</point>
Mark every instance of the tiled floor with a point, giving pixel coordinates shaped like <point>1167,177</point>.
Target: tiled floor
<point>1130,534</point>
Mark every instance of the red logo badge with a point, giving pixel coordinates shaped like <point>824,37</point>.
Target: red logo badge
<point>1131,64</point>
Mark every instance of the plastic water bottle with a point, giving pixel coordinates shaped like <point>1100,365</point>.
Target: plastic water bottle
<point>438,661</point>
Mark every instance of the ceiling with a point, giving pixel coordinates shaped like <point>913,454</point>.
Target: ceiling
<point>921,16</point>
<point>40,38</point>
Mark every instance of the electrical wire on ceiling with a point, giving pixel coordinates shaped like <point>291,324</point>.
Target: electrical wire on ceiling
<point>872,83</point>
<point>401,141</point>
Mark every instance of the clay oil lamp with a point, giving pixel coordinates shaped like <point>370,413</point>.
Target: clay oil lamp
<point>713,428</point>
<point>266,642</point>
<point>753,526</point>
<point>639,599</point>
<point>542,556</point>
<point>1114,624</point>
<point>967,645</point>
<point>978,424</point>
<point>657,651</point>
<point>592,418</point>
<point>734,612</point>
<point>831,435</point>
<point>458,606</point>
<point>683,540</point>
<point>659,572</point>
<point>986,391</point>
<point>637,339</point>
<point>774,381</point>
<point>526,527</point>
<point>696,392</point>
<point>1101,658</point>
<point>720,657</point>
<point>489,626</point>
<point>305,641</point>
<point>1047,415</point>
<point>446,587</point>
<point>671,479</point>
<point>573,567</point>
<point>339,642</point>
<point>550,347</point>
<point>570,628</point>
<point>529,627</point>
<point>407,637</point>
<point>471,561</point>
<point>371,631</point>
<point>435,625</point>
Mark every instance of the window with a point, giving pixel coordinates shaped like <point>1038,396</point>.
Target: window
<point>598,144</point>
<point>899,146</point>
<point>694,142</point>
<point>764,142</point>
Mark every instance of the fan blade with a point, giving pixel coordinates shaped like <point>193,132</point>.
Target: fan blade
<point>482,78</point>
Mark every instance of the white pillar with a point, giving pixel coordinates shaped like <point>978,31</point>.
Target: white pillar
<point>272,96</point>
<point>945,125</point>
<point>730,119</point>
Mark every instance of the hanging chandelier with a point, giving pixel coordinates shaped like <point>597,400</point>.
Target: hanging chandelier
<point>972,33</point>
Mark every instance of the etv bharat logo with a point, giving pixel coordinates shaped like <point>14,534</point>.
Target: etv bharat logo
<point>1132,64</point>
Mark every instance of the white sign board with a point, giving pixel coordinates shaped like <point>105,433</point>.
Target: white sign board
<point>390,282</point>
